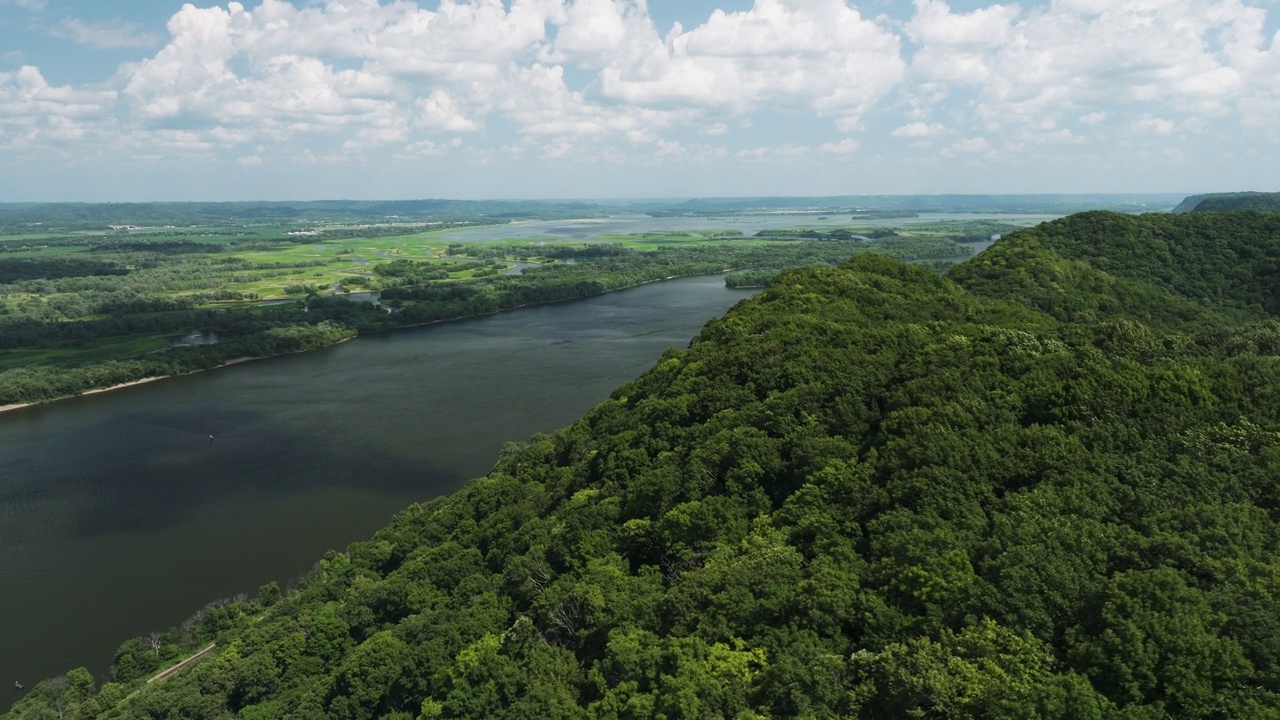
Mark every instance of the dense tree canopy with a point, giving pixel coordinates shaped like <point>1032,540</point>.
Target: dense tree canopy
<point>1043,486</point>
<point>1224,202</point>
<point>1167,270</point>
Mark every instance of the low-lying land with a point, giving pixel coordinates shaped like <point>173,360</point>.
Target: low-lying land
<point>85,306</point>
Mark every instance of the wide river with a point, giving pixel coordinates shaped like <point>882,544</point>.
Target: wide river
<point>120,514</point>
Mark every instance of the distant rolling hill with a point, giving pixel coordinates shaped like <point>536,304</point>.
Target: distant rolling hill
<point>1222,202</point>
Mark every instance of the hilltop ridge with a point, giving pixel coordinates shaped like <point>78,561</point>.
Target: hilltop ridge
<point>1166,270</point>
<point>1225,202</point>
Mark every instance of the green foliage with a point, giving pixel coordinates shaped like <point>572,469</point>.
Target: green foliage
<point>39,383</point>
<point>1045,489</point>
<point>1165,270</point>
<point>1223,202</point>
<point>750,278</point>
<point>1247,201</point>
<point>13,270</point>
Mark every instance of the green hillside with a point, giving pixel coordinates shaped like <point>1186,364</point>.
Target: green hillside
<point>1166,270</point>
<point>1245,201</point>
<point>1043,486</point>
<point>1224,202</point>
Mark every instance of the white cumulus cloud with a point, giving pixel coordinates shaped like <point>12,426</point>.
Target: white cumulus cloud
<point>1192,56</point>
<point>1151,124</point>
<point>35,113</point>
<point>816,55</point>
<point>918,130</point>
<point>595,81</point>
<point>844,147</point>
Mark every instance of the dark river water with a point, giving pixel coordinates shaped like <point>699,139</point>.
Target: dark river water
<point>119,515</point>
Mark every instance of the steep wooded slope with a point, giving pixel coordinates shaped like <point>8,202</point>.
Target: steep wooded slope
<point>1226,202</point>
<point>1172,271</point>
<point>869,492</point>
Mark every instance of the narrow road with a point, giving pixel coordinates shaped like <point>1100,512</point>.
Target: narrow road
<point>166,673</point>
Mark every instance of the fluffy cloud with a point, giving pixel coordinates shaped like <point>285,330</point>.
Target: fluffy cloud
<point>594,80</point>
<point>1076,57</point>
<point>114,34</point>
<point>598,33</point>
<point>1148,124</point>
<point>918,130</point>
<point>970,146</point>
<point>372,74</point>
<point>815,55</point>
<point>844,147</point>
<point>34,113</point>
<point>367,73</point>
<point>439,111</point>
<point>936,26</point>
<point>955,47</point>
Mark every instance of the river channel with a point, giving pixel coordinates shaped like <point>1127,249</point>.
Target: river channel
<point>124,512</point>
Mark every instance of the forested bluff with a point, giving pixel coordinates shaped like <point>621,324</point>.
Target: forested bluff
<point>1222,202</point>
<point>1041,486</point>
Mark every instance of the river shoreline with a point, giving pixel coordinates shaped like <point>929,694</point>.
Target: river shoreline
<point>310,453</point>
<point>117,386</point>
<point>19,406</point>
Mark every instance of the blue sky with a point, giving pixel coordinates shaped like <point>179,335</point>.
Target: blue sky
<point>296,99</point>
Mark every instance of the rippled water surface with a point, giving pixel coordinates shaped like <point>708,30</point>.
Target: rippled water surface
<point>124,512</point>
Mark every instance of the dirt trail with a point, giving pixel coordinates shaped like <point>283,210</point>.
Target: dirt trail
<point>166,673</point>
